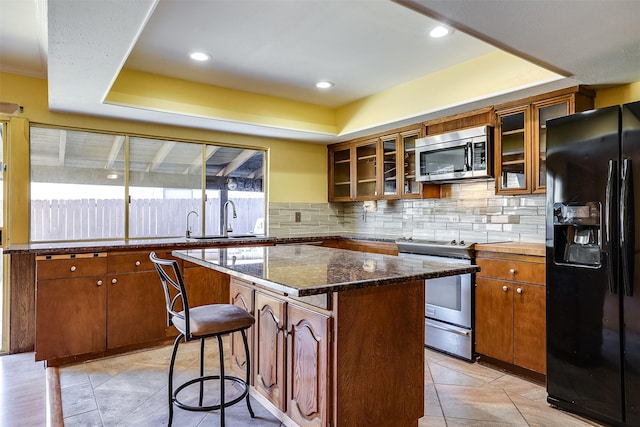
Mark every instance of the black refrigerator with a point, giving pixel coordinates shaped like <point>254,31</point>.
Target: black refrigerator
<point>593,267</point>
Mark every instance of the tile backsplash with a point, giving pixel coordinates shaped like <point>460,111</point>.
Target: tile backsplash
<point>468,211</point>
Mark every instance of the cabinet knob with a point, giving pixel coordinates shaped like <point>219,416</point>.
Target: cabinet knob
<point>99,283</point>
<point>519,290</point>
<point>73,268</point>
<point>512,271</point>
<point>137,263</point>
<point>505,288</point>
<point>114,281</point>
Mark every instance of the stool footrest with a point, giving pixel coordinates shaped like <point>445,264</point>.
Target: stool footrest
<point>245,392</point>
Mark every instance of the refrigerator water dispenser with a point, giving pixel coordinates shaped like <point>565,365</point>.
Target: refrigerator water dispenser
<point>577,234</point>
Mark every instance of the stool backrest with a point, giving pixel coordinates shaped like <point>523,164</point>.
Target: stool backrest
<point>172,282</point>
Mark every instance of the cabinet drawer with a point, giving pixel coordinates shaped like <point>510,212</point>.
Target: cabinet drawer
<point>130,263</point>
<point>67,266</point>
<point>519,271</point>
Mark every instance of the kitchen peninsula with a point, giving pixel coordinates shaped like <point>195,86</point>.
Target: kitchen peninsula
<point>339,334</point>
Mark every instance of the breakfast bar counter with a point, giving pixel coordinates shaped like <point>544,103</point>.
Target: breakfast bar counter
<point>339,334</point>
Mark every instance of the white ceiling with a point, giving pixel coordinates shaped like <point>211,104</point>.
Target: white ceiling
<point>280,48</point>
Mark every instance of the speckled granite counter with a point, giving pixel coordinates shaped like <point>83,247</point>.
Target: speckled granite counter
<point>175,242</point>
<point>303,270</point>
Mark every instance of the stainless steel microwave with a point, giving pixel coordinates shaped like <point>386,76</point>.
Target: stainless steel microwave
<point>456,155</point>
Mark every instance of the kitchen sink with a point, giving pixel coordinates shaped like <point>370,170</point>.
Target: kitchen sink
<point>221,237</point>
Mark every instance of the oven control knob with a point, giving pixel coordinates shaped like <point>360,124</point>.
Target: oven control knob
<point>453,242</point>
<point>461,243</point>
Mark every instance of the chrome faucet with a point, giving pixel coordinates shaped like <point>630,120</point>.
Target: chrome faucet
<point>226,228</point>
<point>188,232</point>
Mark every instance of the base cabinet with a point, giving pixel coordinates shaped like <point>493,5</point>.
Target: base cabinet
<point>510,309</point>
<point>96,302</point>
<point>71,306</point>
<point>290,355</point>
<point>269,347</point>
<point>310,369</point>
<point>307,360</point>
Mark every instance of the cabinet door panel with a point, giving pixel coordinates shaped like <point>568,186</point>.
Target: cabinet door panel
<point>494,319</point>
<point>70,317</point>
<point>136,310</point>
<point>241,296</point>
<point>529,323</point>
<point>269,349</point>
<point>307,364</point>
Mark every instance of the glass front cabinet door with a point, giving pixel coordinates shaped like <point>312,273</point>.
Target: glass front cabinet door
<point>390,176</point>
<point>513,151</point>
<point>410,186</point>
<point>340,173</point>
<point>367,170</point>
<point>543,111</point>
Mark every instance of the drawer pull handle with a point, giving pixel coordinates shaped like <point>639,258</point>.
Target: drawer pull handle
<point>73,268</point>
<point>512,271</point>
<point>519,290</point>
<point>137,263</point>
<point>114,281</point>
<point>99,283</point>
<point>505,288</point>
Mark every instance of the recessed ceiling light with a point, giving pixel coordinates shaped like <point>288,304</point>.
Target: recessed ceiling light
<point>200,56</point>
<point>324,85</point>
<point>440,31</point>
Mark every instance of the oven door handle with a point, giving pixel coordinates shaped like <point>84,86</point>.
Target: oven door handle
<point>464,333</point>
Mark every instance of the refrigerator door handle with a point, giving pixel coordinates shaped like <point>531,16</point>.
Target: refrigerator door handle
<point>609,215</point>
<point>626,227</point>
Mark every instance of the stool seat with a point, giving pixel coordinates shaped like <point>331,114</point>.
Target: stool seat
<point>206,320</point>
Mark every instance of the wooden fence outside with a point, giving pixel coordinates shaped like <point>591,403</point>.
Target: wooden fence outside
<point>98,219</point>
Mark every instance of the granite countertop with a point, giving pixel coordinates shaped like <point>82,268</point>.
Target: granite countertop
<point>175,242</point>
<point>521,248</point>
<point>304,270</point>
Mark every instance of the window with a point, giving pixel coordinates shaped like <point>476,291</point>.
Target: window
<point>90,186</point>
<point>77,185</point>
<point>165,183</point>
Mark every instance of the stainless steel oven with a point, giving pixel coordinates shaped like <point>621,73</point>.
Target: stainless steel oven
<point>449,301</point>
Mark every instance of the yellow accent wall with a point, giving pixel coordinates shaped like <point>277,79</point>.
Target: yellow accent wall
<point>489,75</point>
<point>618,95</point>
<point>160,93</point>
<point>297,171</point>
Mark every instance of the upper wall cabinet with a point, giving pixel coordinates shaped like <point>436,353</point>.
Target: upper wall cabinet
<point>520,138</point>
<point>376,168</point>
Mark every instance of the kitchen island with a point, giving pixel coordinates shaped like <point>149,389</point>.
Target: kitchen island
<point>339,334</point>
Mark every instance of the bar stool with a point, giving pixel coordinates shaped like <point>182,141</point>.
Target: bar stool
<point>202,322</point>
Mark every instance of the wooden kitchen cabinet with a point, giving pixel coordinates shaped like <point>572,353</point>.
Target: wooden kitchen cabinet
<point>136,311</point>
<point>367,168</point>
<point>308,366</point>
<point>289,356</point>
<point>376,168</point>
<point>116,301</point>
<point>269,349</point>
<point>510,308</point>
<point>241,296</point>
<point>71,303</point>
<point>520,138</point>
<point>340,188</point>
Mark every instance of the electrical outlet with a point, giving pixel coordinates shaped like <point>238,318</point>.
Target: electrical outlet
<point>298,216</point>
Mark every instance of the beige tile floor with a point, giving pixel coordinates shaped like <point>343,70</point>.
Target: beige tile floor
<point>131,390</point>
